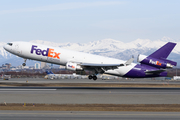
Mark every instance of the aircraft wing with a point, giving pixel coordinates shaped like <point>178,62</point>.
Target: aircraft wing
<point>112,66</point>
<point>100,68</point>
<point>99,65</point>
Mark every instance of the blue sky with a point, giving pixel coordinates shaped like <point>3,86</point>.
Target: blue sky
<point>81,21</point>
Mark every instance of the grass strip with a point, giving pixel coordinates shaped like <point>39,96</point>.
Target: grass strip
<point>93,107</point>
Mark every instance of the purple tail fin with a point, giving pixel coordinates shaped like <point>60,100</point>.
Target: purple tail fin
<point>164,51</point>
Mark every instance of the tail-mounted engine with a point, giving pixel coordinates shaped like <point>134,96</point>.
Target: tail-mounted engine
<point>160,63</point>
<point>73,66</point>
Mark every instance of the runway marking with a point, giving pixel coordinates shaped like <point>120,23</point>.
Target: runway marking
<point>146,92</point>
<point>28,89</point>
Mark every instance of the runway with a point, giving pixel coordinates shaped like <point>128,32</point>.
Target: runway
<point>90,95</point>
<point>79,115</point>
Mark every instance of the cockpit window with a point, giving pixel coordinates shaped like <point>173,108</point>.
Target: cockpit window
<point>10,44</point>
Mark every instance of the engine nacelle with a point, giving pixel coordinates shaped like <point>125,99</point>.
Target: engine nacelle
<point>160,63</point>
<point>141,58</point>
<point>73,66</point>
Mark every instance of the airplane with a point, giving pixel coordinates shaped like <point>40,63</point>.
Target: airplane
<point>51,75</point>
<point>154,65</point>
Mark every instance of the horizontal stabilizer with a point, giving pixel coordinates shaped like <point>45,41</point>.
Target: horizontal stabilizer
<point>156,71</point>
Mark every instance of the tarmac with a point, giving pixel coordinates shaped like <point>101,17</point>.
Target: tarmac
<point>87,115</point>
<point>88,95</point>
<point>97,95</point>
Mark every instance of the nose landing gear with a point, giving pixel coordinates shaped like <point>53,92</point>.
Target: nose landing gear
<point>24,64</point>
<point>94,77</point>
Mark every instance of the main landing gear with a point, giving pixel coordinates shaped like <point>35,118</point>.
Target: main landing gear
<point>24,64</point>
<point>94,77</point>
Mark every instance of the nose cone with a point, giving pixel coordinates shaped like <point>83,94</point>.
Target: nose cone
<point>8,47</point>
<point>5,47</point>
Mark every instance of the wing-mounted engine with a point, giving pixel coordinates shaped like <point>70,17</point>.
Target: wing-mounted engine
<point>160,63</point>
<point>73,66</point>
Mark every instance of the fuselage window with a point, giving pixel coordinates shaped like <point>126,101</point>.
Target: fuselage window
<point>10,44</point>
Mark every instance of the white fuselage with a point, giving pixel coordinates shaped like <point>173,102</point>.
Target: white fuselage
<point>61,56</point>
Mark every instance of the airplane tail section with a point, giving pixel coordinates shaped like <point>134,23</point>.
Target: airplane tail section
<point>51,72</point>
<point>158,58</point>
<point>164,51</point>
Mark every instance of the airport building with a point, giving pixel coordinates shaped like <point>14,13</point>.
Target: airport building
<point>62,67</point>
<point>6,66</point>
<point>43,65</point>
<point>37,66</point>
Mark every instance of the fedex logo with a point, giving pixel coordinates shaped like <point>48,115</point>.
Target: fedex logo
<point>49,52</point>
<point>155,62</point>
<point>71,66</point>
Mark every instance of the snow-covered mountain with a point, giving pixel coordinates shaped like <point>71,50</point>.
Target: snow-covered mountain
<point>106,47</point>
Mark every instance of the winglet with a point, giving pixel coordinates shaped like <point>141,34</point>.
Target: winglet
<point>128,62</point>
